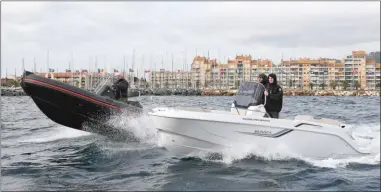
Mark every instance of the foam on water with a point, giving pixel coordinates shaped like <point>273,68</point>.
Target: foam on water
<point>282,152</point>
<point>54,134</point>
<point>141,126</point>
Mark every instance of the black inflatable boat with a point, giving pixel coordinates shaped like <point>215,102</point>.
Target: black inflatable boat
<point>74,107</point>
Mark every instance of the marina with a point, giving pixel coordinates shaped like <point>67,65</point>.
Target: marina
<point>190,96</point>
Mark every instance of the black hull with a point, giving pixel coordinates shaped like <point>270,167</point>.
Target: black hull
<point>71,106</point>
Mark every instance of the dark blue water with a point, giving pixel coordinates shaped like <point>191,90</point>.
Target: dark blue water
<point>38,154</point>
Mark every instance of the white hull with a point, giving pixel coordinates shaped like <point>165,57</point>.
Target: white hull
<point>186,132</point>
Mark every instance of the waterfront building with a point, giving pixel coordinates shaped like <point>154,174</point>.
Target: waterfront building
<point>208,73</point>
<point>356,71</point>
<point>306,73</point>
<point>362,70</point>
<point>170,79</point>
<point>82,79</point>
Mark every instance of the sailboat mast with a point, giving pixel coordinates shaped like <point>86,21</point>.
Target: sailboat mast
<point>124,66</point>
<point>151,71</point>
<point>47,60</point>
<point>132,66</point>
<point>34,64</point>
<point>22,67</point>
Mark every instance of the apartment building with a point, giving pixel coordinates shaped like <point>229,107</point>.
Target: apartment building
<point>362,70</point>
<point>305,73</point>
<point>169,79</point>
<point>357,70</point>
<point>208,73</point>
<point>371,75</point>
<point>81,80</point>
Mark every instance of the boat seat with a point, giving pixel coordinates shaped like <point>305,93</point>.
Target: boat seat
<point>322,120</point>
<point>304,117</point>
<point>195,109</point>
<point>329,121</point>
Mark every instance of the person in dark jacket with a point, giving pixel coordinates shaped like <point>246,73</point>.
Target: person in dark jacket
<point>121,88</point>
<point>274,97</point>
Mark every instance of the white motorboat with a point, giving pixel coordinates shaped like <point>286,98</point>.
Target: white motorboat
<point>190,131</point>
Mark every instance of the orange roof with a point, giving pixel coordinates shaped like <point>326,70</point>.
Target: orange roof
<point>231,61</point>
<point>222,65</point>
<point>199,58</point>
<point>308,61</point>
<point>263,63</point>
<point>243,57</point>
<point>359,52</point>
<point>371,61</point>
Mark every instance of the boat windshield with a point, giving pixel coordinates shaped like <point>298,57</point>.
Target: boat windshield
<point>105,81</point>
<point>249,94</point>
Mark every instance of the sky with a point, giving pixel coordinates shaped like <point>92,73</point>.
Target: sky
<point>79,32</point>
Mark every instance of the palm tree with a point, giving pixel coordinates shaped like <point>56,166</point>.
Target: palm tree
<point>357,85</point>
<point>237,84</point>
<point>12,82</point>
<point>322,86</point>
<point>198,84</point>
<point>147,85</point>
<point>290,83</point>
<point>333,84</point>
<point>345,84</point>
<point>207,84</point>
<point>311,85</point>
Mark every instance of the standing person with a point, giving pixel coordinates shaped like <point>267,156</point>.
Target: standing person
<point>262,79</point>
<point>274,97</point>
<point>121,86</point>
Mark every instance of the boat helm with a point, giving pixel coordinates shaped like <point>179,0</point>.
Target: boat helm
<point>256,110</point>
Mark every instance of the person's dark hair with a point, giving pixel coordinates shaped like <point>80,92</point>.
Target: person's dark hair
<point>272,75</point>
<point>264,77</point>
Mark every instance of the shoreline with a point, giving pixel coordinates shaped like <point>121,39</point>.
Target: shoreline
<point>217,92</point>
<point>302,93</point>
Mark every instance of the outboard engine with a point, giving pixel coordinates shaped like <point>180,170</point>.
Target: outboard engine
<point>106,91</point>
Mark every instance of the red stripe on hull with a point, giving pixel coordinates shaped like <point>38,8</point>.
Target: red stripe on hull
<point>71,92</point>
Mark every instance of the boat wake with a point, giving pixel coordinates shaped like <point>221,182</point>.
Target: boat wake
<point>53,134</point>
<point>141,128</point>
<point>138,126</point>
<point>367,136</point>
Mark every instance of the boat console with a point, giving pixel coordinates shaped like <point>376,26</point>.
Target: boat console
<point>250,100</point>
